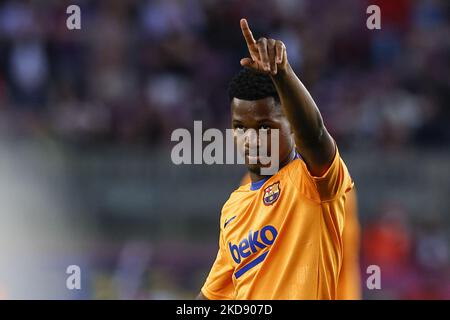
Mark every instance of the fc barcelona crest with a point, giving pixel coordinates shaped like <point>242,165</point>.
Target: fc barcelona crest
<point>271,194</point>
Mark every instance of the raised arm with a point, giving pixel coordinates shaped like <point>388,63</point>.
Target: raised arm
<point>313,141</point>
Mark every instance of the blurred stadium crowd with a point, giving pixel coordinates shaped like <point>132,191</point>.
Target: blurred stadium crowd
<point>136,64</point>
<point>139,69</point>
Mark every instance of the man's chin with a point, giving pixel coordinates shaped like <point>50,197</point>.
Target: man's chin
<point>252,160</point>
<point>256,168</point>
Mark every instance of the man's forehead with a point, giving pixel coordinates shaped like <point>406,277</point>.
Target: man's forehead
<point>262,108</point>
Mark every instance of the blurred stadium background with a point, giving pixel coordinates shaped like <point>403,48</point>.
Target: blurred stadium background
<point>86,117</point>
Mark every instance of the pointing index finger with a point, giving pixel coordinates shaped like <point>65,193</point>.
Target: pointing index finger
<point>247,33</point>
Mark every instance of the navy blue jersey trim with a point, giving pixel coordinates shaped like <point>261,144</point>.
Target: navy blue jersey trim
<point>250,265</point>
<point>258,184</point>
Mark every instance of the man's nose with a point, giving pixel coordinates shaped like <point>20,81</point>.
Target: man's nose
<point>251,138</point>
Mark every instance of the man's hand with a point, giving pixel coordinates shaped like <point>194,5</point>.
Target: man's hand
<point>311,137</point>
<point>267,55</point>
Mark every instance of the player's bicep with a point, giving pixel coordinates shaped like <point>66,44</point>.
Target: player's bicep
<point>318,154</point>
<point>334,181</point>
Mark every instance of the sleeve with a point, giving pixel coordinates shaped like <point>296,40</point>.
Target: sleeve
<point>333,183</point>
<point>219,283</point>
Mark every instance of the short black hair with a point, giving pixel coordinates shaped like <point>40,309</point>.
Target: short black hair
<point>251,85</point>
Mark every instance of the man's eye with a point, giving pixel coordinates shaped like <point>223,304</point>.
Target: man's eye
<point>239,132</point>
<point>239,128</point>
<point>264,127</point>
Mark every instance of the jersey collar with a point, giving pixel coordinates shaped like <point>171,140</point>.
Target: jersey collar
<point>258,184</point>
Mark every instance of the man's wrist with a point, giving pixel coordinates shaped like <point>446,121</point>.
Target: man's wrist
<point>282,73</point>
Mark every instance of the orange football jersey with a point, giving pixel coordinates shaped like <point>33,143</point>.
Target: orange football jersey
<point>349,284</point>
<point>281,238</point>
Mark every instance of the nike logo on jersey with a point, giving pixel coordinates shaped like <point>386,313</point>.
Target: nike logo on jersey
<point>228,221</point>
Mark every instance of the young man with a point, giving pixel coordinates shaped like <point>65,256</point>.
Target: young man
<point>280,238</point>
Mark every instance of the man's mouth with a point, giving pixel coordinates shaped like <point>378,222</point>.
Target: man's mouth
<point>252,156</point>
<point>252,159</point>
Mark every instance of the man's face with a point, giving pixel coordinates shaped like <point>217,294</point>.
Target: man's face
<point>260,115</point>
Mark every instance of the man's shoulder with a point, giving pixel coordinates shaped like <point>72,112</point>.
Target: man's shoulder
<point>239,194</point>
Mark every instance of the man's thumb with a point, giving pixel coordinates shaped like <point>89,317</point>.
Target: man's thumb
<point>248,62</point>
